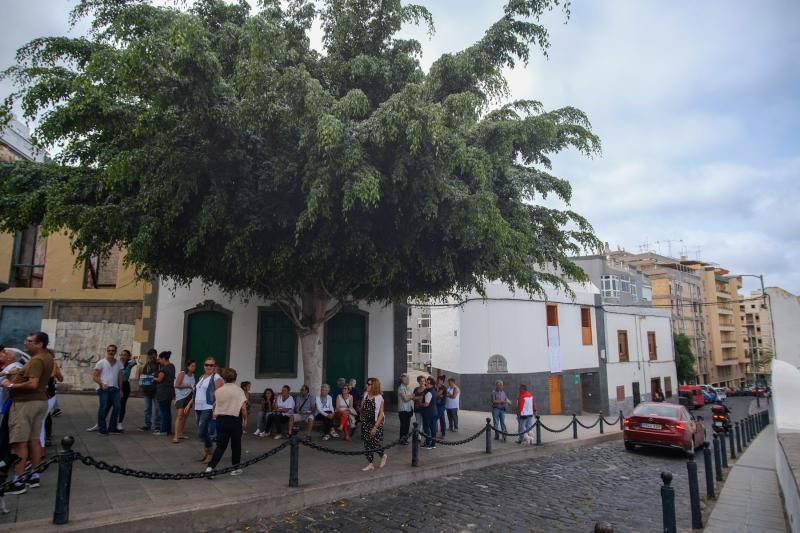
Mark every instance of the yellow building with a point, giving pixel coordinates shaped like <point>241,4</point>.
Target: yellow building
<point>757,329</point>
<point>82,307</point>
<point>723,326</point>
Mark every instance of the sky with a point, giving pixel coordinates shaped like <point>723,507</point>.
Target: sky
<point>697,105</point>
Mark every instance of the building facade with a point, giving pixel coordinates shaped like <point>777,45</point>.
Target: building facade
<point>419,349</point>
<point>257,339</point>
<point>550,344</point>
<point>754,316</point>
<point>619,283</point>
<point>82,307</point>
<point>784,308</point>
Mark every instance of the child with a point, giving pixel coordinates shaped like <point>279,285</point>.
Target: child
<point>246,388</point>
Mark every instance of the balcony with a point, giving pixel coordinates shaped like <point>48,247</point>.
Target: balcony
<point>723,295</point>
<point>727,327</point>
<point>723,311</point>
<point>728,345</point>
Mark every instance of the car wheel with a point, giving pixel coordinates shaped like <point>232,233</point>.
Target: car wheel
<point>629,446</point>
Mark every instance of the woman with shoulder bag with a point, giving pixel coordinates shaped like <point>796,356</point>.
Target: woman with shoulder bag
<point>204,398</point>
<point>184,387</point>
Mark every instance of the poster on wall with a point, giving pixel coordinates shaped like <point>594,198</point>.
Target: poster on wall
<point>554,349</point>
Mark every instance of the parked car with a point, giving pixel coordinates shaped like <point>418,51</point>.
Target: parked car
<point>696,394</point>
<point>663,425</point>
<point>721,394</point>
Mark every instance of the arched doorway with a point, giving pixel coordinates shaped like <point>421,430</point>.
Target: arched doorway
<point>346,347</point>
<point>207,333</point>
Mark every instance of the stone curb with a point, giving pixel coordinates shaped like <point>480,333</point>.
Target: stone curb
<point>202,516</point>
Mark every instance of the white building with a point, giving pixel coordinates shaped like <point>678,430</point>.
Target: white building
<point>784,308</point>
<point>256,338</point>
<point>551,346</point>
<point>639,354</point>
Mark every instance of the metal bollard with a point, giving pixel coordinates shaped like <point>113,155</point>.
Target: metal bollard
<point>717,459</point>
<point>731,443</point>
<point>294,459</point>
<point>65,458</point>
<point>738,432</point>
<point>538,431</point>
<point>415,445</point>
<point>749,430</point>
<point>709,468</point>
<point>601,425</point>
<point>668,504</point>
<point>621,421</point>
<point>723,452</point>
<point>694,493</point>
<point>574,426</point>
<point>488,435</point>
<point>758,401</point>
<point>744,432</point>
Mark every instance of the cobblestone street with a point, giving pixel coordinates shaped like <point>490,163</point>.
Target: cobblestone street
<point>569,491</point>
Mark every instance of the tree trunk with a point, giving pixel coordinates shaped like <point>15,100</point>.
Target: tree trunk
<point>311,346</point>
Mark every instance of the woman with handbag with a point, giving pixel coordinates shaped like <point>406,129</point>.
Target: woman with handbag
<point>184,386</point>
<point>204,398</point>
<point>372,418</point>
<point>345,411</point>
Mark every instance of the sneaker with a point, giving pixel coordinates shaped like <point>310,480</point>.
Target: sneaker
<point>326,437</point>
<point>209,469</point>
<point>432,447</point>
<point>93,428</point>
<point>236,472</point>
<point>34,481</point>
<point>56,413</point>
<point>158,433</point>
<point>17,488</point>
<point>144,428</point>
<point>278,436</point>
<point>118,432</point>
<point>119,427</point>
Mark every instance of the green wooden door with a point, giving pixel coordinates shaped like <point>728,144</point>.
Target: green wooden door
<point>207,336</point>
<point>346,348</point>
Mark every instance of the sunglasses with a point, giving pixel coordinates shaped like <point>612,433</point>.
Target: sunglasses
<point>209,365</point>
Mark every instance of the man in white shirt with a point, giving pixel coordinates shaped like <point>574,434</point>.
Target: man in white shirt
<point>108,376</point>
<point>285,405</point>
<point>324,412</point>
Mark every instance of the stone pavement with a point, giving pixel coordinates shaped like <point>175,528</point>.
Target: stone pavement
<point>751,499</point>
<point>100,499</point>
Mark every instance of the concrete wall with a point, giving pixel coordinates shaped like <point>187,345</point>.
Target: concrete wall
<point>786,417</point>
<point>244,333</point>
<point>785,311</point>
<point>638,322</point>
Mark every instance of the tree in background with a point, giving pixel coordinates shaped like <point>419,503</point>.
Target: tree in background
<point>684,359</point>
<point>214,143</point>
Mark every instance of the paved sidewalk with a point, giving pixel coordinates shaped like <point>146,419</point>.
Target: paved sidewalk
<point>751,499</point>
<point>99,497</point>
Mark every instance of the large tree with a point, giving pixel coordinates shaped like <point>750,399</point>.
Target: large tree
<point>212,141</point>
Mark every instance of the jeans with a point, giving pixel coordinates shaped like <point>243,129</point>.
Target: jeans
<point>203,418</point>
<point>440,418</point>
<point>126,392</point>
<point>524,423</point>
<point>229,429</point>
<point>165,413</point>
<point>149,407</point>
<point>452,419</point>
<point>405,423</point>
<point>110,395</point>
<point>327,423</point>
<point>499,420</point>
<point>429,421</point>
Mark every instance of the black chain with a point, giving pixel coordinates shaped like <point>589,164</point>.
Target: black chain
<point>318,447</point>
<point>115,469</point>
<point>454,442</point>
<point>500,431</point>
<point>614,423</point>
<point>555,430</point>
<point>27,475</point>
<point>588,427</point>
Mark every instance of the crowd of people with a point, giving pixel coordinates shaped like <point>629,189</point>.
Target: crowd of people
<point>221,407</point>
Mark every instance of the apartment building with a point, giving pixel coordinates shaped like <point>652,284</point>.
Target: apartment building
<point>82,307</point>
<point>619,283</point>
<point>754,315</point>
<point>676,284</point>
<point>418,338</point>
<point>723,326</point>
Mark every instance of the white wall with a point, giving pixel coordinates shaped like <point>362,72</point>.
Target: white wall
<point>785,314</point>
<point>244,326</point>
<point>637,321</point>
<point>512,325</point>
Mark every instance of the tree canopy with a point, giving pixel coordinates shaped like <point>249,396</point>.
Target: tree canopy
<point>212,141</point>
<point>684,358</point>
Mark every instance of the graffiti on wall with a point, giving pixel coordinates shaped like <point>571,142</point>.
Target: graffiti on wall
<point>79,345</point>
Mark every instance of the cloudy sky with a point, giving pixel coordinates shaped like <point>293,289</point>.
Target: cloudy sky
<point>697,105</point>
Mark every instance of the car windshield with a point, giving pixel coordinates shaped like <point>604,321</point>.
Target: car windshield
<point>656,410</point>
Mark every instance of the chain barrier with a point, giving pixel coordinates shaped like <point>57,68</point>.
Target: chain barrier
<point>504,433</point>
<point>568,426</point>
<point>585,426</point>
<point>28,474</point>
<point>88,460</point>
<point>612,423</point>
<point>319,447</point>
<point>453,442</point>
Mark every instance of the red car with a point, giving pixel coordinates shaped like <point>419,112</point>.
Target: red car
<point>663,425</point>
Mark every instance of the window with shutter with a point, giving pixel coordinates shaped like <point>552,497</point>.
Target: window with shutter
<point>586,326</point>
<point>622,342</point>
